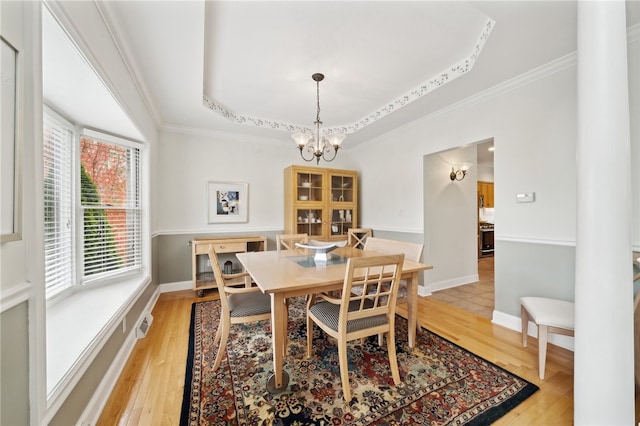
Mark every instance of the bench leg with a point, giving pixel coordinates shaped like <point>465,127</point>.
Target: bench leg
<point>524,315</point>
<point>542,349</point>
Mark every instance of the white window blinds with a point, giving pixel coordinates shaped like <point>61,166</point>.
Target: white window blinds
<point>110,203</point>
<point>58,205</point>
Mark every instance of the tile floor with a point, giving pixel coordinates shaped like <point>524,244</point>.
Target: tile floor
<point>476,297</point>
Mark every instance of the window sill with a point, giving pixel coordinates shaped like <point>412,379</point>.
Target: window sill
<point>77,325</point>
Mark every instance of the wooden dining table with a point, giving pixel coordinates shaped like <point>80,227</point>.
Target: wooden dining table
<point>293,273</point>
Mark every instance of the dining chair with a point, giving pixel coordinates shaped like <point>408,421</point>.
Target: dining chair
<point>411,251</point>
<point>356,237</point>
<point>356,315</point>
<point>240,303</point>
<point>288,241</point>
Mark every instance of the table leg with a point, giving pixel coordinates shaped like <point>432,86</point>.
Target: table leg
<point>280,379</point>
<point>412,308</point>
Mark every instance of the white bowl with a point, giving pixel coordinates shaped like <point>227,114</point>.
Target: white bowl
<point>303,198</point>
<point>306,184</point>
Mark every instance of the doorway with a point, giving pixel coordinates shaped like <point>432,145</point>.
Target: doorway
<point>463,254</point>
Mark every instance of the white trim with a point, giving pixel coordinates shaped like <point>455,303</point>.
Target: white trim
<point>513,322</point>
<point>423,291</point>
<point>528,240</point>
<point>454,282</point>
<point>103,136</point>
<point>15,295</point>
<point>99,399</point>
<point>177,286</point>
<point>217,229</point>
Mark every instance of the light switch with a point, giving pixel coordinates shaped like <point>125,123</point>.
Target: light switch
<point>526,197</point>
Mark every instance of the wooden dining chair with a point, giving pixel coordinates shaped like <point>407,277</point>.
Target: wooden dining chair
<point>288,241</point>
<point>356,237</point>
<point>411,251</point>
<point>355,315</point>
<point>240,302</point>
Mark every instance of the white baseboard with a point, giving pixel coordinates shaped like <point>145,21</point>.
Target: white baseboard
<point>96,404</point>
<point>423,291</point>
<point>513,322</point>
<point>454,282</point>
<point>177,286</point>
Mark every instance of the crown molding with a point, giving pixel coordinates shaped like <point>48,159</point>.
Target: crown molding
<point>440,79</point>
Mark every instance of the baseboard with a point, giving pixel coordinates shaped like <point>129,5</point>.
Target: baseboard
<point>177,286</point>
<point>513,322</point>
<point>96,404</point>
<point>454,282</point>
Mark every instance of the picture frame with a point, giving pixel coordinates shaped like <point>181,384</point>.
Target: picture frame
<point>10,146</point>
<point>228,202</point>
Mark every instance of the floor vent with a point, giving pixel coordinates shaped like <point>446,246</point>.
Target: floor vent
<point>143,328</point>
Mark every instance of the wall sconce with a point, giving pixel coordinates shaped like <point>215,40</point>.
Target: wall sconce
<point>461,172</point>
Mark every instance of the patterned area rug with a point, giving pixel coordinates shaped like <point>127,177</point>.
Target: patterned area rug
<point>442,384</point>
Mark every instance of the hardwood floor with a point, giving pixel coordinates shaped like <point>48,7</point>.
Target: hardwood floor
<point>149,391</point>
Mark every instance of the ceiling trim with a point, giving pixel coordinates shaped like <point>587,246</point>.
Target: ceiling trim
<point>440,79</point>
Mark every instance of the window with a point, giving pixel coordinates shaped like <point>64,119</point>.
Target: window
<point>104,239</point>
<point>58,154</point>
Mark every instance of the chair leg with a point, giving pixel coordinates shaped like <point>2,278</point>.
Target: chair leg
<point>225,326</point>
<point>524,315</point>
<point>380,339</point>
<point>542,349</point>
<point>393,361</point>
<point>309,335</point>
<point>344,370</point>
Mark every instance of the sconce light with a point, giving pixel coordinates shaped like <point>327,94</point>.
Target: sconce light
<point>461,171</point>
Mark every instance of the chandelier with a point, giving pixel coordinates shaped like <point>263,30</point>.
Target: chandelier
<point>318,146</point>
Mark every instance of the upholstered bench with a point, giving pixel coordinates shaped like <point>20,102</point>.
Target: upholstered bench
<point>550,316</point>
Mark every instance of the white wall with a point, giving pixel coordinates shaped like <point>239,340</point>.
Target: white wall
<point>450,219</point>
<point>534,134</point>
<point>186,162</point>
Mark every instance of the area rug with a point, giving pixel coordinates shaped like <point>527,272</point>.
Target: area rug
<point>442,383</point>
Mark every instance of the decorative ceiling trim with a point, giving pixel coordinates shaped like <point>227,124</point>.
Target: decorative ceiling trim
<point>445,76</point>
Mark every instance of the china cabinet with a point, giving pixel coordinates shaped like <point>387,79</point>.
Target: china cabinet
<point>320,202</point>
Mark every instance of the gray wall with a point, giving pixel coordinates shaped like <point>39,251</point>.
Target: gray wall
<point>14,366</point>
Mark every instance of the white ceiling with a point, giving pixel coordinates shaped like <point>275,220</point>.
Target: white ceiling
<point>384,62</point>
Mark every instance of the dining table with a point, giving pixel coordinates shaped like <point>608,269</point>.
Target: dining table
<point>292,273</point>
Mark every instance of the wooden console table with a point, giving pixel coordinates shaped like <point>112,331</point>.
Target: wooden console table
<point>226,248</point>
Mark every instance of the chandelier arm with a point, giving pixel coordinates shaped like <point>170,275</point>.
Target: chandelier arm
<point>327,150</point>
<point>302,148</point>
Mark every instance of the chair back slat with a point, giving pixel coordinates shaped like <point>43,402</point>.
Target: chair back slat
<point>288,241</point>
<point>356,237</point>
<point>377,279</point>
<point>411,251</point>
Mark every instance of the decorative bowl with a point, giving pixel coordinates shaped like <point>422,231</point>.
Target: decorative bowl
<point>306,184</point>
<point>321,249</point>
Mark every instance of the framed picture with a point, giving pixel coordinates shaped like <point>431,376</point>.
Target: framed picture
<point>228,202</point>
<point>10,171</point>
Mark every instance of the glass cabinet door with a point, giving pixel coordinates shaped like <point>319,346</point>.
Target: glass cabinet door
<point>309,187</point>
<point>309,221</point>
<point>342,189</point>
<point>341,221</point>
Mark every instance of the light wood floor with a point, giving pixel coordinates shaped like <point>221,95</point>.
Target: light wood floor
<point>149,391</point>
